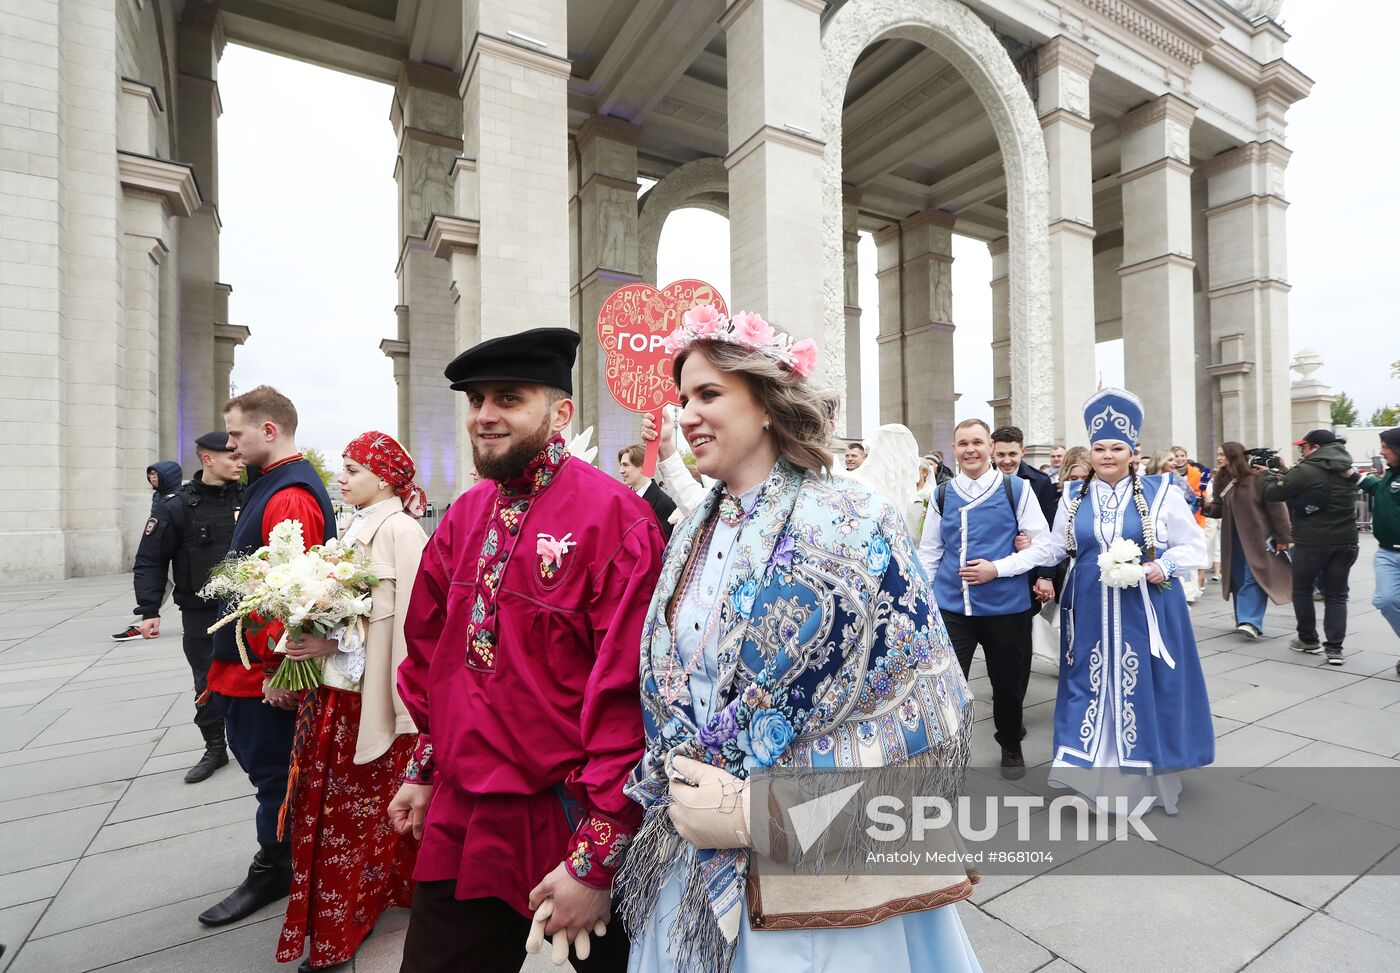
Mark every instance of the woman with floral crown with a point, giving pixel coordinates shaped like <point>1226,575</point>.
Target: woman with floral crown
<point>1131,709</point>
<point>792,628</point>
<point>354,735</point>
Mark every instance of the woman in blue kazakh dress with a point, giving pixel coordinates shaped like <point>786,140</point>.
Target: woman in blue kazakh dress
<point>791,627</point>
<point>1131,709</point>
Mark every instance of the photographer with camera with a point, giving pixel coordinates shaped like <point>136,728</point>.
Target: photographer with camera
<point>1320,493</point>
<point>1254,536</point>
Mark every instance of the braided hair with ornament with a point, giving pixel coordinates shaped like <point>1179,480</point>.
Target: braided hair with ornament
<point>1149,530</point>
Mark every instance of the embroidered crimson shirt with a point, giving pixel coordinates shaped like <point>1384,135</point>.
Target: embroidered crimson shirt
<point>293,503</point>
<point>521,676</point>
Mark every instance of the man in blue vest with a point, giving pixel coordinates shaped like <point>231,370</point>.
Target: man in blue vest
<point>260,719</point>
<point>969,551</point>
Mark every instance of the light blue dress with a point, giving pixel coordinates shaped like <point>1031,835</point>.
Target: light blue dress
<point>920,942</point>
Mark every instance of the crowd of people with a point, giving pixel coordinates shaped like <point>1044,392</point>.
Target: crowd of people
<point>549,730</point>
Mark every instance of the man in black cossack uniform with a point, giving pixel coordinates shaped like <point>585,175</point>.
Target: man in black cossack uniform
<point>192,529</point>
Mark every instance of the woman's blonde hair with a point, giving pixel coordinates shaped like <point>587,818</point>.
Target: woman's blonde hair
<point>1154,464</point>
<point>801,414</point>
<point>1074,456</point>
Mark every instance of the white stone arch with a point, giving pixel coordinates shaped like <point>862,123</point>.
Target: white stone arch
<point>701,184</point>
<point>953,31</point>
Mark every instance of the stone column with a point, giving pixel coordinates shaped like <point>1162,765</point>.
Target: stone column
<point>1249,289</point>
<point>1158,313</point>
<point>1063,85</point>
<point>850,214</point>
<point>154,193</point>
<point>199,44</point>
<point>775,163</point>
<point>426,113</point>
<point>509,242</point>
<point>91,284</point>
<point>889,277</point>
<point>1001,333</point>
<point>604,211</point>
<point>928,328</point>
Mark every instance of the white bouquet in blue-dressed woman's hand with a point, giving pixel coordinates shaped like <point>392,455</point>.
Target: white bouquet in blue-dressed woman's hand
<point>1120,566</point>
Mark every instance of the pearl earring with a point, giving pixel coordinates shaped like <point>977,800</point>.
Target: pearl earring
<point>382,484</point>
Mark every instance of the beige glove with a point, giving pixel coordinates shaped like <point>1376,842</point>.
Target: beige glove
<point>714,812</point>
<point>559,942</point>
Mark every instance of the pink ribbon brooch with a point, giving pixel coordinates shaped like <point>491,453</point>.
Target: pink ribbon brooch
<point>551,552</point>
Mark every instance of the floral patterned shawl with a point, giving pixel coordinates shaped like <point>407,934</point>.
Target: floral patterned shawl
<point>832,655</point>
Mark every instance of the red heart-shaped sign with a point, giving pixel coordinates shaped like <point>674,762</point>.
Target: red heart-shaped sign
<point>632,327</point>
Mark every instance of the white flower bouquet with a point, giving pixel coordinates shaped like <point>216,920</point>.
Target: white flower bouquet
<point>1121,565</point>
<point>317,590</point>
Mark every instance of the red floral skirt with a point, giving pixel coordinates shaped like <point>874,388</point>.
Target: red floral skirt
<point>348,865</point>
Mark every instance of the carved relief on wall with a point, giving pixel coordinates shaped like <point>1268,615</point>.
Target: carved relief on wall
<point>1274,177</point>
<point>851,277</point>
<point>435,113</point>
<point>428,188</point>
<point>1178,142</point>
<point>942,291</point>
<point>1254,9</point>
<point>613,217</point>
<point>1074,92</point>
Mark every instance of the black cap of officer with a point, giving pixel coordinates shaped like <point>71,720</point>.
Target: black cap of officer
<point>541,356</point>
<point>213,442</point>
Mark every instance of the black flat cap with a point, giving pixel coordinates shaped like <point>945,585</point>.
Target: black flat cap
<point>541,356</point>
<point>213,442</point>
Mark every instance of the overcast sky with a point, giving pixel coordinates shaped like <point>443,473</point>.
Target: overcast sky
<point>307,197</point>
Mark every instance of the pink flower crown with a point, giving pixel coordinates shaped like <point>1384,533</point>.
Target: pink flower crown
<point>704,322</point>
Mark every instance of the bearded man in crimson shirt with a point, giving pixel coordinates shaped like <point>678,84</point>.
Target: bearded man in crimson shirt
<point>260,720</point>
<point>524,633</point>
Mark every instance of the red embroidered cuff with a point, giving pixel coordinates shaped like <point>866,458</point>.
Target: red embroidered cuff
<point>420,765</point>
<point>596,850</point>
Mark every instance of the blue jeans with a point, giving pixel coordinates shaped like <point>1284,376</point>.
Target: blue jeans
<point>1250,599</point>
<point>1387,597</point>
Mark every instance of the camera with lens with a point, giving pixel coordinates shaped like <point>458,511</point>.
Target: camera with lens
<point>1263,456</point>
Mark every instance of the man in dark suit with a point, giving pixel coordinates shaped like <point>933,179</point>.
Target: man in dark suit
<point>630,460</point>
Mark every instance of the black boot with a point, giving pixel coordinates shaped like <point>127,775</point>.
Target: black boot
<point>215,755</point>
<point>269,879</point>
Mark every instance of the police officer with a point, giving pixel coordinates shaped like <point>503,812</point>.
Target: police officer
<point>192,528</point>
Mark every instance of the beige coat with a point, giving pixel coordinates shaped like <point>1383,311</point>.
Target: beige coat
<point>395,543</point>
<point>1244,510</point>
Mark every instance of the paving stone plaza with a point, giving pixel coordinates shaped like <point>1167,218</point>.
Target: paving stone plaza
<point>108,856</point>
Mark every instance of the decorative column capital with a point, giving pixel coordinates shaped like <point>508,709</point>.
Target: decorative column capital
<point>394,348</point>
<point>1166,107</point>
<point>452,234</point>
<point>172,182</point>
<point>606,127</point>
<point>231,335</point>
<point>1060,51</point>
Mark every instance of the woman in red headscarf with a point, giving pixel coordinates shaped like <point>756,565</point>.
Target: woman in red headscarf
<point>354,736</point>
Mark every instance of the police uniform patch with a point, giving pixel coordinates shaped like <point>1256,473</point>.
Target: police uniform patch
<point>151,526</point>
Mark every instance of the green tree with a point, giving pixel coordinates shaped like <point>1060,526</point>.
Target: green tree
<point>317,459</point>
<point>1386,415</point>
<point>1344,411</point>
